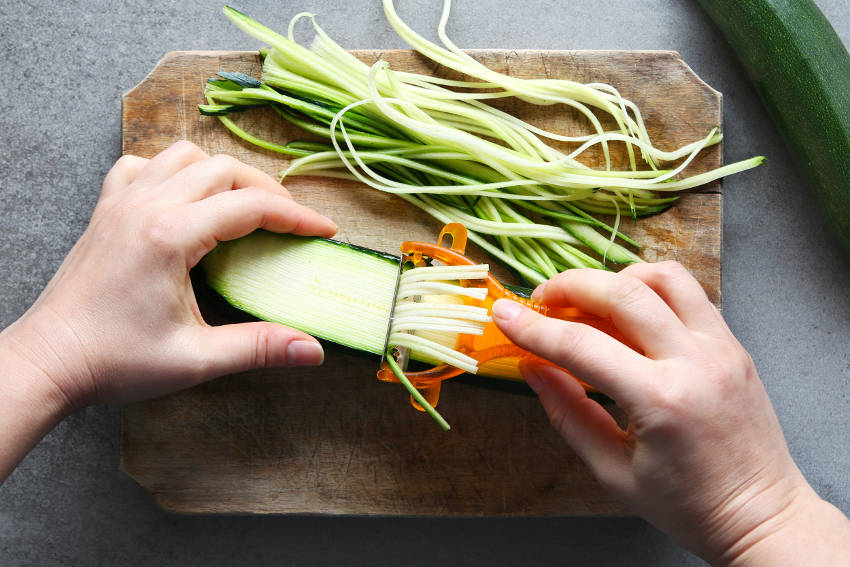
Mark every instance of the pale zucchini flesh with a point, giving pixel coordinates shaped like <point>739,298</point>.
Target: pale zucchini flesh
<point>329,289</point>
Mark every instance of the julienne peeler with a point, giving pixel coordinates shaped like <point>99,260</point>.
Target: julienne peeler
<point>491,346</point>
<point>431,304</point>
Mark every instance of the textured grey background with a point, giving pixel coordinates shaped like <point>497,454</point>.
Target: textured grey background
<point>65,66</point>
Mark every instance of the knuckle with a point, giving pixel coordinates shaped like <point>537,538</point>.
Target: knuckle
<point>628,290</point>
<point>671,270</point>
<point>121,210</point>
<point>672,399</point>
<point>573,339</point>
<point>159,233</point>
<point>224,161</point>
<point>184,146</point>
<point>253,200</point>
<point>562,277</point>
<point>572,276</point>
<point>671,267</point>
<point>559,287</point>
<point>731,372</point>
<point>749,365</point>
<point>561,342</point>
<point>185,150</point>
<point>656,271</point>
<point>558,418</point>
<point>657,397</point>
<point>675,398</point>
<point>254,195</point>
<point>125,161</point>
<point>262,348</point>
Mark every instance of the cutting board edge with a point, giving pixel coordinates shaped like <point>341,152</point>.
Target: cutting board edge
<point>167,502</point>
<point>167,57</point>
<point>673,54</point>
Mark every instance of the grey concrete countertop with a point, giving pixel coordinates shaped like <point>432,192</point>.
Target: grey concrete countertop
<point>65,66</point>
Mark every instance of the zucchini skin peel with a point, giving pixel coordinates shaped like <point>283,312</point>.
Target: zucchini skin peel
<point>801,71</point>
<point>395,258</point>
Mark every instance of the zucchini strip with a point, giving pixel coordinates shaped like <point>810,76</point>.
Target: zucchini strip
<point>451,154</point>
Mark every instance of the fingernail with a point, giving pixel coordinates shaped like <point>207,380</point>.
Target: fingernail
<point>532,378</point>
<point>537,294</point>
<point>505,309</point>
<point>304,353</point>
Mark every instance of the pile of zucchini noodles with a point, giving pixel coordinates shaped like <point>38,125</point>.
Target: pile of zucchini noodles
<point>437,144</point>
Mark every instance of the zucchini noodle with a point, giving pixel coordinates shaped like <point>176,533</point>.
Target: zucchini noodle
<point>529,204</point>
<point>429,302</point>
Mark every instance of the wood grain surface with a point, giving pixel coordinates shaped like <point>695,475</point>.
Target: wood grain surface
<point>334,440</point>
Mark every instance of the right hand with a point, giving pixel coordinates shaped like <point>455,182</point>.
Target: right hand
<point>703,457</point>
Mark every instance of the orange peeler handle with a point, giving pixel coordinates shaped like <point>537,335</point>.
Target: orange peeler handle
<point>454,255</point>
<point>492,344</point>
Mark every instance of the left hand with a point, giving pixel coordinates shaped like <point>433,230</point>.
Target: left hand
<point>119,321</point>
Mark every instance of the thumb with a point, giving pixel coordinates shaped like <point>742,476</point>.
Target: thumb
<point>244,346</point>
<point>585,425</point>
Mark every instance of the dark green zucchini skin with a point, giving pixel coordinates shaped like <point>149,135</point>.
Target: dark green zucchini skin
<point>801,71</point>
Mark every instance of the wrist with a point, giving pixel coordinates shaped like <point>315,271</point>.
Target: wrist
<point>33,370</point>
<point>807,531</point>
<point>31,404</point>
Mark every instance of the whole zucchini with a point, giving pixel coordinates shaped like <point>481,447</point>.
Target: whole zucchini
<point>801,70</point>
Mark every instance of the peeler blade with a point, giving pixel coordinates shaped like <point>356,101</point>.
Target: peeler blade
<point>392,311</point>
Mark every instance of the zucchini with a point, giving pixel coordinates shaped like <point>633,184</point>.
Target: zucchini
<point>801,71</point>
<point>332,290</point>
<point>344,293</point>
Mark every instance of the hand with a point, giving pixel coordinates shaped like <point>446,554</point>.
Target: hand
<point>119,320</point>
<point>703,457</point>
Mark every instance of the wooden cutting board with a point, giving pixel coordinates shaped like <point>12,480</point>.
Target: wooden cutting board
<point>334,440</point>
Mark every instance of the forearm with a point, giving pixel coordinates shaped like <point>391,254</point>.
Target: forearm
<point>30,405</point>
<point>809,532</point>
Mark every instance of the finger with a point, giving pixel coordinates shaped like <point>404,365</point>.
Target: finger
<point>168,162</point>
<point>638,312</point>
<point>217,174</point>
<point>245,346</point>
<point>675,285</point>
<point>122,174</point>
<point>592,356</point>
<point>584,424</point>
<point>229,215</point>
